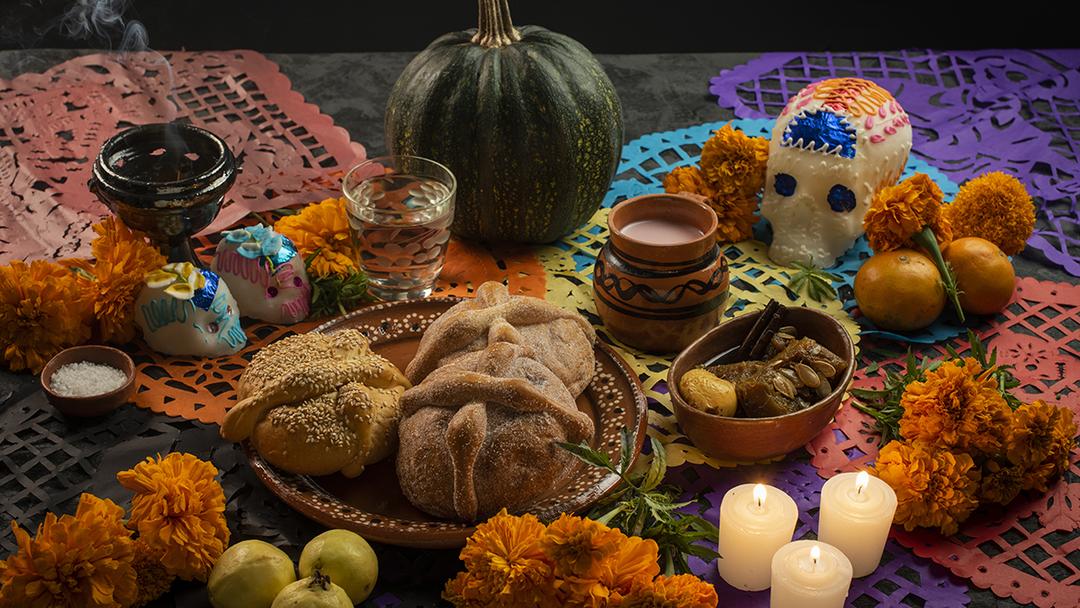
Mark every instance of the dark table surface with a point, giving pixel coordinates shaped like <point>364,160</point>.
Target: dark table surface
<point>658,93</point>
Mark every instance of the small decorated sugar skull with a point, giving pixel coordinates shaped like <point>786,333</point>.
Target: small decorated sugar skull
<point>834,146</point>
<point>184,310</point>
<point>265,274</point>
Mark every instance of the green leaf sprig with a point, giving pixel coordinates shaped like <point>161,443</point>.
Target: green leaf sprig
<point>642,506</point>
<point>883,405</point>
<point>926,239</point>
<point>1002,374</point>
<point>817,283</point>
<point>334,294</point>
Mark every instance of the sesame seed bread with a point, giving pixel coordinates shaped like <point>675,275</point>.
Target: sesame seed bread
<point>315,404</point>
<point>288,353</point>
<point>478,434</point>
<point>343,430</point>
<point>560,339</point>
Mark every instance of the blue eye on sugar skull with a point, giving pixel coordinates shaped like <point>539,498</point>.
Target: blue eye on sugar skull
<point>841,199</point>
<point>784,184</point>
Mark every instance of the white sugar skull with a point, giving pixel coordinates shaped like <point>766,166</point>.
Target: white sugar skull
<point>833,147</point>
<point>184,310</point>
<point>265,274</point>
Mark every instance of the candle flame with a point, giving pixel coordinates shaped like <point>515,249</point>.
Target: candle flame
<point>759,495</point>
<point>815,555</point>
<point>861,481</point>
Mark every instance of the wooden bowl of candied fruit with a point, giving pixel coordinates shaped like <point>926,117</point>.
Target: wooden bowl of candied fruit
<point>790,363</point>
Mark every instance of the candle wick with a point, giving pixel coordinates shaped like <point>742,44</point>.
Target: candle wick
<point>813,567</point>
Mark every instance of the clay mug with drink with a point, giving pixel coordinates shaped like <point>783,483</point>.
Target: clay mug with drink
<point>661,280</point>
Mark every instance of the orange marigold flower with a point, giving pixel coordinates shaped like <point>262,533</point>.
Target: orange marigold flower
<point>505,564</point>
<point>324,228</point>
<point>898,212</point>
<point>934,489</point>
<point>735,218</point>
<point>85,560</point>
<point>958,406</point>
<point>734,163</point>
<point>996,207</point>
<point>43,310</point>
<point>1041,440</point>
<point>454,590</point>
<point>634,562</point>
<point>179,512</point>
<point>688,179</point>
<point>679,591</point>
<point>123,258</point>
<point>1000,483</point>
<point>579,546</point>
<point>582,592</point>
<point>468,590</point>
<point>152,578</point>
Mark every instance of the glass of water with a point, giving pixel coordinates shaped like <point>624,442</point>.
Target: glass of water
<point>400,209</point>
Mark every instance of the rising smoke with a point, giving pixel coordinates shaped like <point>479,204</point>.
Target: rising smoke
<point>135,37</point>
<point>88,19</point>
<point>102,21</point>
<point>30,24</point>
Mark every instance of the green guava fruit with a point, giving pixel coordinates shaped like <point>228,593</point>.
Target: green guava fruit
<point>346,558</point>
<point>249,574</point>
<point>315,591</point>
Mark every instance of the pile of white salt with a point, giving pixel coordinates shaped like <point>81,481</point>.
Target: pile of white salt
<point>85,379</point>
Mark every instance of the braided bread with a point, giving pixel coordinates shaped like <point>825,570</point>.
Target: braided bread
<point>315,404</point>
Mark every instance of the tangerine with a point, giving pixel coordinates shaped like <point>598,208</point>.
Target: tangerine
<point>984,275</point>
<point>900,290</point>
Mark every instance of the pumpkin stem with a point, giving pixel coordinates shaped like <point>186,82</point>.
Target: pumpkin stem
<point>495,29</point>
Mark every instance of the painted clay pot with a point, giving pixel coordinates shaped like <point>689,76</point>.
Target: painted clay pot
<point>657,294</point>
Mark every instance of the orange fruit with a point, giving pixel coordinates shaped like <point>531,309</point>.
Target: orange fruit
<point>984,275</point>
<point>900,290</point>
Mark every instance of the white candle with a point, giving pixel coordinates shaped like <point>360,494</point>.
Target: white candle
<point>856,514</point>
<point>755,521</point>
<point>809,574</point>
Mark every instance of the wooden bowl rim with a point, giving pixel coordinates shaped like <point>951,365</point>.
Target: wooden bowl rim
<point>838,391</point>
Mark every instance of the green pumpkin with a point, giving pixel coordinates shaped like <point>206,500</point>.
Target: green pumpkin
<point>526,120</point>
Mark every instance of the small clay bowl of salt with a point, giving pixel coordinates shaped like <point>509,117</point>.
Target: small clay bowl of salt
<point>88,381</point>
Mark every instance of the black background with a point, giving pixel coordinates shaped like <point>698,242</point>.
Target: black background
<point>605,26</point>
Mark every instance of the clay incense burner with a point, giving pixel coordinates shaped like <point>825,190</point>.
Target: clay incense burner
<point>660,280</point>
<point>167,180</point>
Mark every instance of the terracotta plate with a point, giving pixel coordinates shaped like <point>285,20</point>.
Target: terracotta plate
<point>373,505</point>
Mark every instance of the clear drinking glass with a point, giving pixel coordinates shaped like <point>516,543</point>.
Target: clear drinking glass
<point>400,209</point>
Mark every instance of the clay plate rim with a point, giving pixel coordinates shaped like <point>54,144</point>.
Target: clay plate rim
<point>295,490</point>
